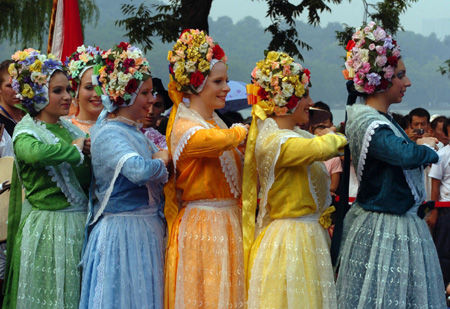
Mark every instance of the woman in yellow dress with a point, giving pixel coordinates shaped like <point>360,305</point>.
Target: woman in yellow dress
<point>204,259</point>
<point>288,265</point>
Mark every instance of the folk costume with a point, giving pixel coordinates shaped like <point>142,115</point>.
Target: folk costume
<point>46,231</point>
<point>387,258</point>
<point>287,260</point>
<point>123,259</point>
<point>204,258</point>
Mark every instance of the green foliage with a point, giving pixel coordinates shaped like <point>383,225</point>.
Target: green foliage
<point>445,69</point>
<point>386,13</point>
<point>26,22</point>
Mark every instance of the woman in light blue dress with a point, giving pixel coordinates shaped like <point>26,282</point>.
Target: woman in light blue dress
<point>123,261</point>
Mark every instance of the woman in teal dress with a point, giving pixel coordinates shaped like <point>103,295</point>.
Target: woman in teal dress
<point>47,228</point>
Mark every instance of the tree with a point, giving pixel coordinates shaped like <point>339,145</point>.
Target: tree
<point>385,13</point>
<point>26,22</point>
<point>170,19</point>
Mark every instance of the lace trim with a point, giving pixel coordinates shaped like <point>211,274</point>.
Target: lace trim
<point>98,294</point>
<point>127,121</point>
<point>183,142</point>
<point>231,172</point>
<point>365,147</point>
<point>242,126</point>
<point>81,155</point>
<point>111,186</point>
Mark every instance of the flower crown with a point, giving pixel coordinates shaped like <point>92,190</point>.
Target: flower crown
<point>79,61</point>
<point>123,70</point>
<point>190,60</point>
<point>281,83</point>
<point>372,56</point>
<point>30,74</point>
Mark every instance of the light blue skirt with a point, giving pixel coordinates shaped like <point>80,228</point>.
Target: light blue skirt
<point>123,263</point>
<point>388,261</point>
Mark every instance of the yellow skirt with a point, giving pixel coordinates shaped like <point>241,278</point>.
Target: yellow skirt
<point>290,267</point>
<point>204,258</point>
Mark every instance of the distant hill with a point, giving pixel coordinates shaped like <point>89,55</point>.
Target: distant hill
<point>244,43</point>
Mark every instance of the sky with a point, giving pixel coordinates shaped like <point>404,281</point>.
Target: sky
<point>423,17</point>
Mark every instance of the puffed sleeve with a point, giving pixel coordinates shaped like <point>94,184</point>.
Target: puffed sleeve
<point>305,151</point>
<point>213,142</point>
<point>388,147</point>
<point>32,151</point>
<point>137,168</point>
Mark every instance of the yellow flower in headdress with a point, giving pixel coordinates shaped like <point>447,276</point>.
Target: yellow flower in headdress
<point>27,91</point>
<point>272,56</point>
<point>23,55</point>
<point>12,70</point>
<point>36,66</point>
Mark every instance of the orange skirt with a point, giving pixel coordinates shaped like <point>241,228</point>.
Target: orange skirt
<point>204,259</point>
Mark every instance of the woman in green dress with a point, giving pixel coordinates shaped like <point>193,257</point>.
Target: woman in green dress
<point>47,229</point>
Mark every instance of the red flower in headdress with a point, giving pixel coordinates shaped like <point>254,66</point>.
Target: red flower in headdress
<point>384,84</point>
<point>185,30</point>
<point>350,45</point>
<point>123,45</point>
<point>218,52</point>
<point>307,72</point>
<point>131,86</point>
<point>392,61</point>
<point>197,79</point>
<point>293,102</point>
<point>264,95</point>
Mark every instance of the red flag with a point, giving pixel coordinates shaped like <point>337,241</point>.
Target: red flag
<point>65,29</point>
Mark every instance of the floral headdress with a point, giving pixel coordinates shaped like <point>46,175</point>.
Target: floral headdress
<point>79,62</point>
<point>31,72</point>
<point>372,56</point>
<point>192,57</point>
<point>121,76</point>
<point>279,83</point>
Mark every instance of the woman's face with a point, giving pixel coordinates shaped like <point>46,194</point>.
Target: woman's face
<point>399,84</point>
<point>144,99</point>
<point>59,98</point>
<point>7,93</point>
<point>90,104</point>
<point>216,88</point>
<point>154,111</point>
<point>301,114</point>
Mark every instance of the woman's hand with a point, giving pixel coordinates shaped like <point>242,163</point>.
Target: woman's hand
<point>430,141</point>
<point>163,155</point>
<point>84,144</point>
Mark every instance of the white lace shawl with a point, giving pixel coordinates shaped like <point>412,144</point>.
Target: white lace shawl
<point>267,150</point>
<point>362,122</point>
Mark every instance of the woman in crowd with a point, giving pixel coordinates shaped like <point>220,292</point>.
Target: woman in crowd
<point>150,127</point>
<point>204,260</point>
<point>388,258</point>
<point>87,102</point>
<point>123,262</point>
<point>289,262</point>
<point>44,248</point>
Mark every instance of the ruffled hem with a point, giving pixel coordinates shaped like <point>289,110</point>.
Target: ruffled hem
<point>290,265</point>
<point>388,261</point>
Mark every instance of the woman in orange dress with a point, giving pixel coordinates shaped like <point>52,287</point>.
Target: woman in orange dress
<point>204,259</point>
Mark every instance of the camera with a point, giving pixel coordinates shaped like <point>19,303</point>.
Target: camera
<point>419,131</point>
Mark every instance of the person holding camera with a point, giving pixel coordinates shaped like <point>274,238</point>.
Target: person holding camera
<point>419,123</point>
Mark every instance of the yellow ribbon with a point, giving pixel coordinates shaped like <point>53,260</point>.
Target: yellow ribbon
<point>171,204</point>
<point>250,179</point>
<point>325,218</point>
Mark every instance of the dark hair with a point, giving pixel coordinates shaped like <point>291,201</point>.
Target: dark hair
<point>324,106</point>
<point>320,126</point>
<point>446,124</point>
<point>234,117</point>
<point>437,120</point>
<point>401,120</point>
<point>159,88</point>
<point>419,112</point>
<point>4,69</point>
